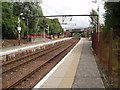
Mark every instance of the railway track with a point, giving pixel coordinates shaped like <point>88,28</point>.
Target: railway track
<point>35,67</point>
<point>28,58</point>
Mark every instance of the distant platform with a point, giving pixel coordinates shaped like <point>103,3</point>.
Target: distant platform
<point>27,46</point>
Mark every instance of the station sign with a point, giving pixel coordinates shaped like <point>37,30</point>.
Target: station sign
<point>101,26</point>
<point>19,28</point>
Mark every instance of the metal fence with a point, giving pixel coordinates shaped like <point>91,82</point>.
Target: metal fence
<point>106,45</point>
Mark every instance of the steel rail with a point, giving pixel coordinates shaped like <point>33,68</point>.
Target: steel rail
<point>34,71</point>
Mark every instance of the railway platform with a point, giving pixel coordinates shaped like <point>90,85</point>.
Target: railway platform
<point>27,46</point>
<point>77,69</point>
<point>16,51</point>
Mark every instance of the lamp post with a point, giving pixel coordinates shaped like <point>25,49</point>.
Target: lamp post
<point>97,18</point>
<point>48,29</point>
<point>19,28</point>
<point>27,29</point>
<point>44,32</point>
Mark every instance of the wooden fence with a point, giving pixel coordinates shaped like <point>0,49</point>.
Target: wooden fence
<point>106,45</point>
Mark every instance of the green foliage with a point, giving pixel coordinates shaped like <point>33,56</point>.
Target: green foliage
<point>76,34</point>
<point>53,24</point>
<point>9,21</point>
<point>112,15</point>
<point>27,11</point>
<point>93,21</point>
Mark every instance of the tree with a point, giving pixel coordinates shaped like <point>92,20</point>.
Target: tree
<point>55,26</point>
<point>11,11</point>
<point>29,9</point>
<point>9,22</point>
<point>112,15</point>
<point>93,21</point>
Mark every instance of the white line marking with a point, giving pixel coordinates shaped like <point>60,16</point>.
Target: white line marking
<point>50,73</point>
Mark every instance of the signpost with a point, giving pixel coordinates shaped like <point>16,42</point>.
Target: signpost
<point>19,29</point>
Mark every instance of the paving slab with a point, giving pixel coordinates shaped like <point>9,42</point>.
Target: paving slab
<point>87,74</point>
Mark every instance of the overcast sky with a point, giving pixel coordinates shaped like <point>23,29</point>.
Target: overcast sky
<point>61,7</point>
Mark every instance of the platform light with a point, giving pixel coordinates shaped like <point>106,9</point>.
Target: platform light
<point>19,28</point>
